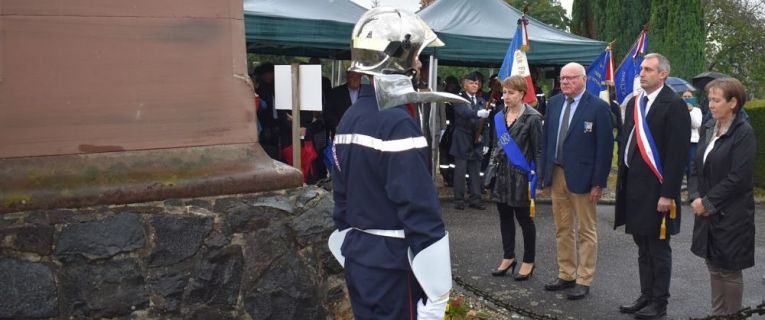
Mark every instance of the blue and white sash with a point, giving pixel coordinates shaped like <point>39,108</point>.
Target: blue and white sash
<point>514,153</point>
<point>645,142</point>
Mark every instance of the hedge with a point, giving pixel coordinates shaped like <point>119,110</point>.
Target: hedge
<point>756,111</point>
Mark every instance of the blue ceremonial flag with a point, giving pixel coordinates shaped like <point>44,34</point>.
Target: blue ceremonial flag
<point>630,67</point>
<point>600,74</point>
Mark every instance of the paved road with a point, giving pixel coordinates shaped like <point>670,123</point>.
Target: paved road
<point>476,250</point>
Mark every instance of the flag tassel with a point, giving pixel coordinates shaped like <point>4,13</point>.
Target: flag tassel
<point>672,216</point>
<point>532,206</point>
<point>663,229</point>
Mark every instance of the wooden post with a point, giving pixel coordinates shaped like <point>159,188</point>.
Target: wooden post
<point>296,116</point>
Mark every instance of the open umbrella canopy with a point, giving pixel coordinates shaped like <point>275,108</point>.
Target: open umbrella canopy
<point>701,79</point>
<point>679,85</point>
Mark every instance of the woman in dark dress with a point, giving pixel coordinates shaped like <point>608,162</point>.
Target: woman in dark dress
<point>721,194</point>
<point>511,184</point>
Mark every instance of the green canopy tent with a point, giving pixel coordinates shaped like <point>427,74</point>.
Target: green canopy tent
<point>479,33</point>
<point>476,32</point>
<point>313,28</point>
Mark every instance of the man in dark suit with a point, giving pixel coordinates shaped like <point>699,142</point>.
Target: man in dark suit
<point>467,153</point>
<point>268,116</point>
<point>340,99</point>
<point>646,195</point>
<point>576,159</point>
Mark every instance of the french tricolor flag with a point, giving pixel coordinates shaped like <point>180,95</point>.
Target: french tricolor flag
<point>516,63</point>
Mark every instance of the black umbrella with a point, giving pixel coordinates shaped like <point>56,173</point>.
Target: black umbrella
<point>701,80</point>
<point>679,85</point>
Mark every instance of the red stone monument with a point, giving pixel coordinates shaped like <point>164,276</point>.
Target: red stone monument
<point>109,102</point>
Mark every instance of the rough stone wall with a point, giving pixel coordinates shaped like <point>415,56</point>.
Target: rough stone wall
<point>260,256</point>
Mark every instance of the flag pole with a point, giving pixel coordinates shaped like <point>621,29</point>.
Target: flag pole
<point>644,29</point>
<point>611,83</point>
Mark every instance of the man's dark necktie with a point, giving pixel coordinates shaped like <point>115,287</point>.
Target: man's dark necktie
<point>633,141</point>
<point>563,129</point>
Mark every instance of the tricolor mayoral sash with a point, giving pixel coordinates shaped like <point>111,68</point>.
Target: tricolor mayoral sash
<point>516,157</point>
<point>650,155</point>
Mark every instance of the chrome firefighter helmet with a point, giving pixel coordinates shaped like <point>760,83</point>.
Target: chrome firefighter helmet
<point>388,40</point>
<point>385,44</point>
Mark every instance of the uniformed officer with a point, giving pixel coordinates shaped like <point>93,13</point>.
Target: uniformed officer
<point>467,152</point>
<point>391,238</point>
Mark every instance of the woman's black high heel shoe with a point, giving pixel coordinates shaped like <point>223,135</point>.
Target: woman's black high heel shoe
<point>524,277</point>
<point>500,273</point>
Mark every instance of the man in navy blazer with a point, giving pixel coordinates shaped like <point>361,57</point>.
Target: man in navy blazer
<point>578,144</point>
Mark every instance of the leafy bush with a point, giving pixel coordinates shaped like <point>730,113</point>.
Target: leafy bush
<point>456,308</point>
<point>756,111</point>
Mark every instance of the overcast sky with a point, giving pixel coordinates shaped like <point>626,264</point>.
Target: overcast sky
<point>414,5</point>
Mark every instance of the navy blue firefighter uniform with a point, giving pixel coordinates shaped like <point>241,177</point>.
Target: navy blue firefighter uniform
<point>383,192</point>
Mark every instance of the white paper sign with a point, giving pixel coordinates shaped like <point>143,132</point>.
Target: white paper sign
<point>310,87</point>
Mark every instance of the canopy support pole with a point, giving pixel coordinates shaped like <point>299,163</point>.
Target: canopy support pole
<point>434,124</point>
<point>332,76</point>
<point>339,73</point>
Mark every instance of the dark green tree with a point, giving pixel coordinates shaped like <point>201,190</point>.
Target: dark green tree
<point>547,11</point>
<point>672,36</point>
<point>635,14</point>
<point>611,20</point>
<point>582,19</point>
<point>735,42</point>
<point>684,38</point>
<point>600,13</point>
<point>657,26</point>
<point>597,19</point>
<point>675,28</point>
<point>614,20</point>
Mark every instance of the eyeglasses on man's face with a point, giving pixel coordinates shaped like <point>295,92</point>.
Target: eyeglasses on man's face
<point>569,78</point>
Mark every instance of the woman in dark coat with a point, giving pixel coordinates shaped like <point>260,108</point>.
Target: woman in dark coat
<point>721,193</point>
<point>511,184</point>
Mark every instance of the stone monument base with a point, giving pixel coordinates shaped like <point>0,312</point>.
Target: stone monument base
<point>253,256</point>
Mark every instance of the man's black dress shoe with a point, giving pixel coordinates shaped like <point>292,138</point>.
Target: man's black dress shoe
<point>559,284</point>
<point>577,292</point>
<point>459,206</point>
<point>479,206</point>
<point>652,311</point>
<point>636,305</point>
